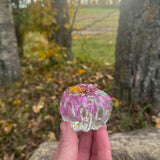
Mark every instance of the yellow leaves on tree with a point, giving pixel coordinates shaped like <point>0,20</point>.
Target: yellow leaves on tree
<point>67,26</point>
<point>72,5</point>
<point>47,50</point>
<point>42,16</point>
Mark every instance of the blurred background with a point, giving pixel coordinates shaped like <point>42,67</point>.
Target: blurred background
<point>49,45</point>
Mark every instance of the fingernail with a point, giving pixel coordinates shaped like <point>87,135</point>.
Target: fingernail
<point>63,126</point>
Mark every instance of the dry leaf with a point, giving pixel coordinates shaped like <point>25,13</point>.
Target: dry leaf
<point>156,119</point>
<point>17,102</point>
<point>88,37</point>
<point>37,108</point>
<point>115,102</point>
<point>157,125</point>
<point>80,71</point>
<point>110,77</point>
<point>49,80</point>
<point>49,118</point>
<point>7,128</point>
<point>2,122</point>
<point>51,137</point>
<point>75,37</point>
<point>59,81</point>
<point>110,42</point>
<point>99,75</point>
<point>78,28</point>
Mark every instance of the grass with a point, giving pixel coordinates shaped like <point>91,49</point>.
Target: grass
<point>99,48</point>
<point>94,10</point>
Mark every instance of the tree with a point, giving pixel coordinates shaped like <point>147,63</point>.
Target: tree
<point>9,59</point>
<point>63,35</point>
<point>137,68</point>
<point>18,21</point>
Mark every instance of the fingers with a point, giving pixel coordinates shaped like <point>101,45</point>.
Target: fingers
<point>85,144</point>
<point>101,147</point>
<point>68,146</point>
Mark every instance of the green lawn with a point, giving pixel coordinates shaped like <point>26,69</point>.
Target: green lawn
<point>86,11</point>
<point>99,47</point>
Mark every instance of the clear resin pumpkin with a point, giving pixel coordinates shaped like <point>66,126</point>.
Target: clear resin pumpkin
<point>85,107</point>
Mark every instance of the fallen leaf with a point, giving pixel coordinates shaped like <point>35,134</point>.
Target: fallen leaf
<point>36,135</point>
<point>22,147</point>
<point>115,102</point>
<point>156,119</point>
<point>88,37</point>
<point>7,128</point>
<point>99,75</point>
<point>49,80</point>
<point>49,118</point>
<point>59,81</point>
<point>110,42</point>
<point>39,106</point>
<point>157,125</point>
<point>110,77</point>
<point>2,122</point>
<point>51,137</point>
<point>34,144</point>
<point>17,102</point>
<point>75,37</point>
<point>80,71</point>
<point>54,97</point>
<point>78,28</point>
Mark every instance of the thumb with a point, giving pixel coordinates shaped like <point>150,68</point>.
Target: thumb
<point>68,146</point>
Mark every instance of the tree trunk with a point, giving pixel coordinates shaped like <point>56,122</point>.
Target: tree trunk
<point>17,12</point>
<point>63,36</point>
<point>137,68</point>
<point>9,59</point>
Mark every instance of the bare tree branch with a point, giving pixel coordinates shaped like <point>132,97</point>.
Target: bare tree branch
<point>74,17</point>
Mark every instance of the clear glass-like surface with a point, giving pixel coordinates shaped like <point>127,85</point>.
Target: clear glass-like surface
<point>85,107</point>
<point>89,121</point>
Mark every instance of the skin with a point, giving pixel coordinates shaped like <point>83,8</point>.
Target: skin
<point>92,145</point>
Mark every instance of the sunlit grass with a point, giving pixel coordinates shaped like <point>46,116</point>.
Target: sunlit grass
<point>86,16</point>
<point>95,10</point>
<point>99,48</point>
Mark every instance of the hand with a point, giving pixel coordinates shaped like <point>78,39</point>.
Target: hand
<point>92,145</point>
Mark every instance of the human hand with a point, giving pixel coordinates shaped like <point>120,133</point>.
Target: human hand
<point>92,145</point>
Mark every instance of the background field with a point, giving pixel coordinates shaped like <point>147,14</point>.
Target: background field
<point>97,35</point>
